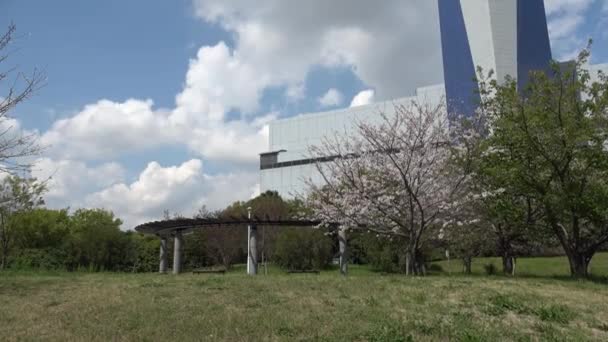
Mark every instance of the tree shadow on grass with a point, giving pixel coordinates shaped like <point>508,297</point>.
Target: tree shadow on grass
<point>596,279</point>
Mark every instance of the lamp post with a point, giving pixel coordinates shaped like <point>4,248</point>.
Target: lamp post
<point>252,256</point>
<point>248,240</point>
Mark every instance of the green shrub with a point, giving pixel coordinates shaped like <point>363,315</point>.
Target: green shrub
<point>302,249</point>
<point>48,258</point>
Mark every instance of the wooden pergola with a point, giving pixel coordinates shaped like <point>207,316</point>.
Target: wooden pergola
<point>177,227</point>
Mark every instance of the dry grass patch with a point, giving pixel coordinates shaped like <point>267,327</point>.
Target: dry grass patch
<point>366,307</point>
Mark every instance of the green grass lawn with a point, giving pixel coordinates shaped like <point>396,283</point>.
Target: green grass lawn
<point>534,267</point>
<point>365,306</point>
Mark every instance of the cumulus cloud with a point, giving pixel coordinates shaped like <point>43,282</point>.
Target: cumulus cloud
<point>332,98</point>
<point>180,189</point>
<point>106,129</point>
<point>394,47</point>
<point>68,181</point>
<point>363,98</point>
<point>216,83</point>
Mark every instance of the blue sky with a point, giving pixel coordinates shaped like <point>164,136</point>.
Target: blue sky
<point>163,104</point>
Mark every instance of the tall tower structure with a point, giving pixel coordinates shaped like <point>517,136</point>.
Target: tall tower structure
<point>507,36</point>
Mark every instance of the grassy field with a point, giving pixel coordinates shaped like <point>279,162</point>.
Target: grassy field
<point>532,267</point>
<point>364,306</point>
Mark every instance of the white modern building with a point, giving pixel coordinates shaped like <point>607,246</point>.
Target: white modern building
<point>507,36</point>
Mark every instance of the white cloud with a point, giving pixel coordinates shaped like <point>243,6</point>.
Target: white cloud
<point>394,47</point>
<point>565,18</point>
<point>106,129</point>
<point>332,98</point>
<point>216,82</point>
<point>180,189</point>
<point>559,6</point>
<point>364,97</point>
<point>68,181</point>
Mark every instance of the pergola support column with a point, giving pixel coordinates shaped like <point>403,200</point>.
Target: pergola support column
<point>177,252</point>
<point>162,266</point>
<point>343,251</point>
<point>252,253</point>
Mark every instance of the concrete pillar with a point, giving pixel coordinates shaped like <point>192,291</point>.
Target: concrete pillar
<point>252,254</point>
<point>177,252</point>
<point>162,267</point>
<point>343,251</point>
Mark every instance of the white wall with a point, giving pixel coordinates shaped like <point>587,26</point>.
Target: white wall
<point>479,31</point>
<point>297,134</point>
<point>503,16</point>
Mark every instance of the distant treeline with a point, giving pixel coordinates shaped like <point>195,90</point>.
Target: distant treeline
<point>91,240</point>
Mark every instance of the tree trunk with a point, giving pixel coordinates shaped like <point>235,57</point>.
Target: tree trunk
<point>412,263</point>
<point>507,264</point>
<point>467,262</point>
<point>420,267</point>
<point>409,261</point>
<point>579,264</point>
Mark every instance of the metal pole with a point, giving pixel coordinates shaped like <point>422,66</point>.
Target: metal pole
<point>447,254</point>
<point>162,267</point>
<point>264,250</point>
<point>343,251</point>
<point>249,241</point>
<point>253,251</point>
<point>177,253</point>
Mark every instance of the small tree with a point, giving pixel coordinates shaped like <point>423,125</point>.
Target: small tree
<point>96,241</point>
<point>393,178</point>
<point>496,213</point>
<point>16,195</point>
<point>548,143</point>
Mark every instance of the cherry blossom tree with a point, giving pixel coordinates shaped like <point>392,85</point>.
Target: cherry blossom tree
<point>394,178</point>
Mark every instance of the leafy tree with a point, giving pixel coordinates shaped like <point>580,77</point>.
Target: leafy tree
<point>17,195</point>
<point>39,238</point>
<point>547,143</point>
<point>226,246</point>
<point>495,214</point>
<point>142,252</point>
<point>96,241</point>
<point>467,240</point>
<point>41,228</point>
<point>303,249</point>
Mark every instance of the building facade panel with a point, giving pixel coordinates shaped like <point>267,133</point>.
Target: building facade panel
<point>292,137</point>
<point>533,45</point>
<point>478,23</point>
<point>503,15</point>
<point>458,64</point>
